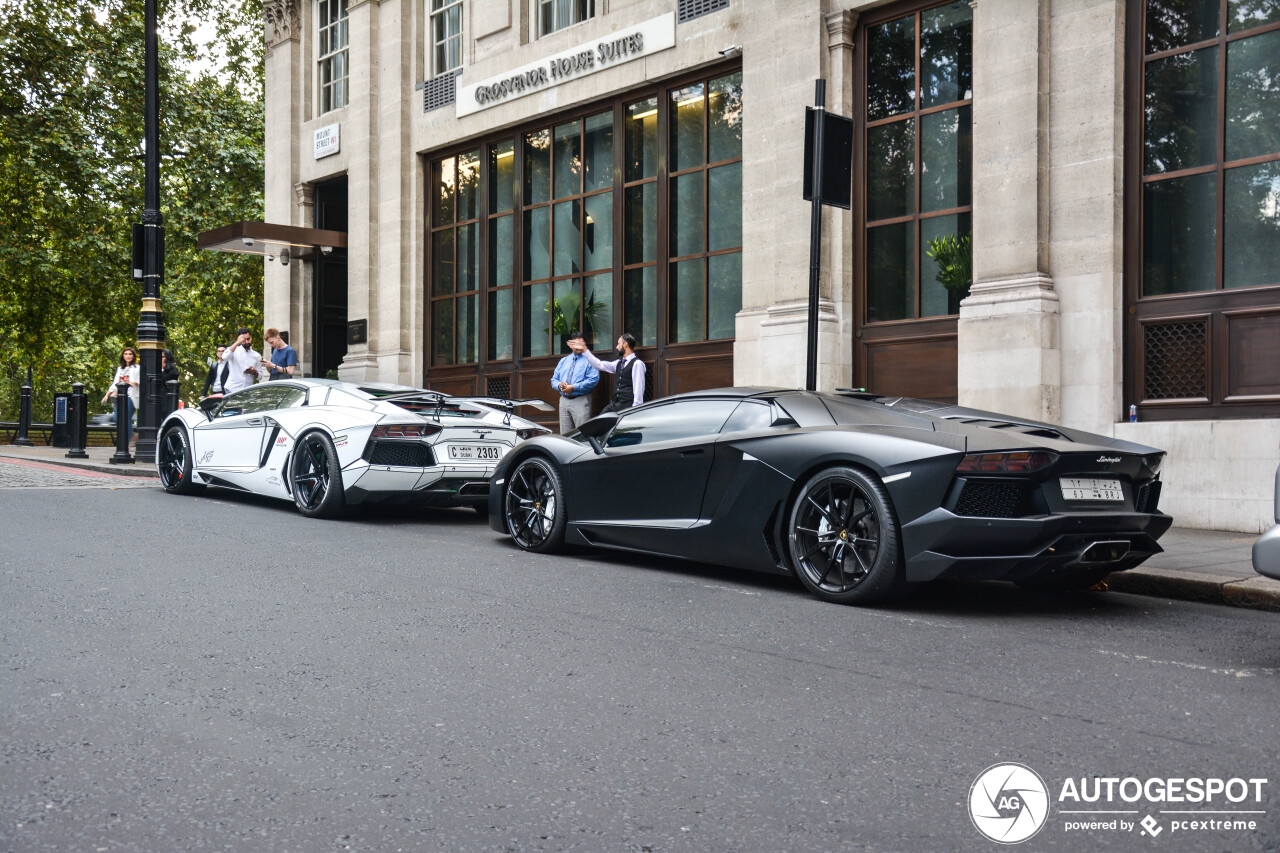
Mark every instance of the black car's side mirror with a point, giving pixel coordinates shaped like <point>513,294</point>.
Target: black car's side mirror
<point>598,427</point>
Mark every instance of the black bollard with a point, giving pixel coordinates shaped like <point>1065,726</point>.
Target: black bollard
<point>78,421</point>
<point>121,456</point>
<point>24,418</point>
<point>172,389</point>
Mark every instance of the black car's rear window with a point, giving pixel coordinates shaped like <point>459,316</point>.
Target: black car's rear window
<point>850,411</point>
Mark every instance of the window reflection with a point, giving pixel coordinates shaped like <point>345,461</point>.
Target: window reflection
<point>679,421</point>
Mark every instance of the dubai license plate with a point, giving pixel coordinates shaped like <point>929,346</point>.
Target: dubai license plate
<point>474,451</point>
<point>1091,489</point>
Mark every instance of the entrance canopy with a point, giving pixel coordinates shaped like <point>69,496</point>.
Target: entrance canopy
<point>265,238</point>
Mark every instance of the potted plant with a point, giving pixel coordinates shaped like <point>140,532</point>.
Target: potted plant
<point>954,257</point>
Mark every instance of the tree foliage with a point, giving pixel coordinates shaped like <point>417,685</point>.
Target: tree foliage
<point>71,184</point>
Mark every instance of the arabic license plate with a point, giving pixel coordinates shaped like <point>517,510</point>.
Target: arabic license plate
<point>474,451</point>
<point>1091,489</point>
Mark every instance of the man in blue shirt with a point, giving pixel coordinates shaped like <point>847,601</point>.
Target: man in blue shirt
<point>573,380</point>
<point>284,358</point>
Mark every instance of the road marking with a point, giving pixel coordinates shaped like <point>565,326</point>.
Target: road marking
<point>1238,673</point>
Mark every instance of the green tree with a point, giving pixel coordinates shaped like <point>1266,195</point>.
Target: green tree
<point>71,183</point>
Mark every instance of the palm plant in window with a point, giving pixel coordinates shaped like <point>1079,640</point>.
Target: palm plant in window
<point>954,258</point>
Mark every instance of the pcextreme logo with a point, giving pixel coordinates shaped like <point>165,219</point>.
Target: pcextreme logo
<point>1009,803</point>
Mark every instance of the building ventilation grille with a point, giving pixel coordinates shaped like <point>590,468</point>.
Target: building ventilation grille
<point>1175,361</point>
<point>498,386</point>
<point>439,91</point>
<point>993,500</point>
<point>401,453</point>
<point>687,10</point>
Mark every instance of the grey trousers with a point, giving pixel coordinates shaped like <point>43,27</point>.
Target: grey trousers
<point>574,413</point>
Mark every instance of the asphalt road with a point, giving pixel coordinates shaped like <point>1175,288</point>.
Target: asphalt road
<point>217,673</point>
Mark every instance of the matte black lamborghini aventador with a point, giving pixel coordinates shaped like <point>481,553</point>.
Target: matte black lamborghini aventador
<point>857,494</point>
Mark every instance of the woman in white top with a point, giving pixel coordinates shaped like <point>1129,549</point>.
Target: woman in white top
<point>127,372</point>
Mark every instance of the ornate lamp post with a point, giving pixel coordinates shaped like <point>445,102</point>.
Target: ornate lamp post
<point>151,331</point>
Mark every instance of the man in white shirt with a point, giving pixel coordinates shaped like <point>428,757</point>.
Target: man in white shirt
<point>628,389</point>
<point>242,361</point>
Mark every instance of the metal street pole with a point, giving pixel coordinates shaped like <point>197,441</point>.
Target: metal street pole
<point>815,237</point>
<point>151,331</point>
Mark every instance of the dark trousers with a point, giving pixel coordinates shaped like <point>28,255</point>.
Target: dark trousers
<point>617,406</point>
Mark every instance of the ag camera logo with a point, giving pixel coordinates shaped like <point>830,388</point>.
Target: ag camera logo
<point>1008,803</point>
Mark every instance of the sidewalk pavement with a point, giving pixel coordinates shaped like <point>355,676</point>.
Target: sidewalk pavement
<point>1211,566</point>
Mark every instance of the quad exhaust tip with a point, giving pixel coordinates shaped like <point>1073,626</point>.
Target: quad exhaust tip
<point>1110,551</point>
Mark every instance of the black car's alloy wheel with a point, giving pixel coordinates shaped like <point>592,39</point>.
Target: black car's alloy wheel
<point>316,477</point>
<point>173,462</point>
<point>533,507</point>
<point>844,538</point>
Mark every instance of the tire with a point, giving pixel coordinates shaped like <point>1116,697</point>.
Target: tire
<point>315,477</point>
<point>844,542</point>
<point>173,462</point>
<point>1073,582</point>
<point>533,506</point>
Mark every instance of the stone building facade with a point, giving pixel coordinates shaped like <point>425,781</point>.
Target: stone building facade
<point>507,170</point>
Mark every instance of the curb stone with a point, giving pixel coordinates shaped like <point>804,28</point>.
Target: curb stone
<point>1257,592</point>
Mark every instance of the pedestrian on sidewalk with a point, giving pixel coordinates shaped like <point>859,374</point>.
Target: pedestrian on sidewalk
<point>284,358</point>
<point>217,376</point>
<point>242,362</point>
<point>574,380</point>
<point>127,372</point>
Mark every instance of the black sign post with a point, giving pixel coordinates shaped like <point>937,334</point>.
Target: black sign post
<point>828,179</point>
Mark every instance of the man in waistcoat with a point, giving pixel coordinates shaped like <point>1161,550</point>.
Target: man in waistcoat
<point>628,389</point>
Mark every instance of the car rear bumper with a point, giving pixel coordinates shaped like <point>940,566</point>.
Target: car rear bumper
<point>942,544</point>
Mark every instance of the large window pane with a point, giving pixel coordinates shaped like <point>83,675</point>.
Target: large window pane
<point>537,243</point>
<point>686,128</point>
<point>725,225</point>
<point>687,307</point>
<point>688,228</point>
<point>599,152</point>
<point>1174,23</point>
<point>1181,109</point>
<point>501,177</point>
<point>597,310</point>
<point>501,323</point>
<point>642,140</point>
<point>568,160</point>
<point>467,310</point>
<point>1246,14</point>
<point>537,319</point>
<point>501,246</point>
<point>537,167</point>
<point>597,231</point>
<point>724,294</point>
<point>946,54</point>
<point>443,180</point>
<point>935,299</point>
<point>640,311</point>
<point>566,310</point>
<point>468,185</point>
<point>567,239</point>
<point>724,108</point>
<point>1179,237</point>
<point>891,272</point>
<point>945,142</point>
<point>891,68</point>
<point>1251,231</point>
<point>442,262</point>
<point>442,332</point>
<point>468,271</point>
<point>891,187</point>
<point>1253,96</point>
<point>641,232</point>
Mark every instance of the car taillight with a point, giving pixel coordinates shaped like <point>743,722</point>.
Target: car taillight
<point>1021,462</point>
<point>526,434</point>
<point>404,430</point>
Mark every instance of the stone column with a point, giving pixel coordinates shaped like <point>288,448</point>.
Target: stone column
<point>283,108</point>
<point>1009,354</point>
<point>303,282</point>
<point>359,364</point>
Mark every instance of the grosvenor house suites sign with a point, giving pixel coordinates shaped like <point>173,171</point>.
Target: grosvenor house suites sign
<point>621,46</point>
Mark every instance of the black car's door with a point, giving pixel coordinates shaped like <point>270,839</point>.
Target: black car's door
<point>654,468</point>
